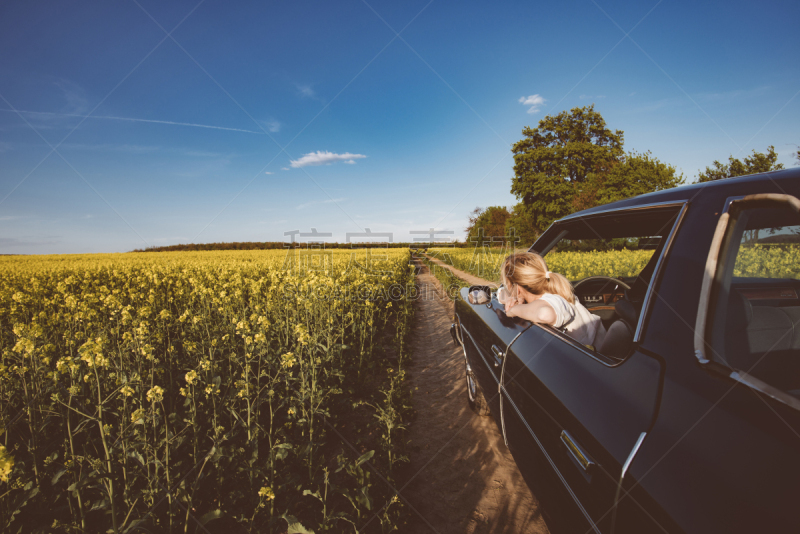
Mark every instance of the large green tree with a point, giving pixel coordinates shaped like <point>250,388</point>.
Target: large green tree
<point>758,162</point>
<point>487,223</point>
<point>558,161</point>
<point>522,224</point>
<point>636,174</point>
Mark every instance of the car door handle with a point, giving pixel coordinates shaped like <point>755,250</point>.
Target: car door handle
<point>498,356</point>
<point>574,449</point>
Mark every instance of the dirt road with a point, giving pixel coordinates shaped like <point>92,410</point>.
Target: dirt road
<point>472,279</point>
<point>461,477</point>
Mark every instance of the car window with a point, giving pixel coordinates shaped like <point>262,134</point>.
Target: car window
<point>756,318</point>
<point>611,259</point>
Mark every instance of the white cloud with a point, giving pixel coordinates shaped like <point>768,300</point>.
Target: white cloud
<point>269,172</point>
<point>284,168</point>
<point>325,158</point>
<point>74,96</point>
<point>273,125</point>
<point>328,201</point>
<point>306,90</point>
<point>534,101</point>
<point>350,162</point>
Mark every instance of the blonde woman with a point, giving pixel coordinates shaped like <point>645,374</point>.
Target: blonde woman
<point>532,292</point>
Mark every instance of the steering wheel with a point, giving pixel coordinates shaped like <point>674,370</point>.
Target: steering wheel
<point>609,279</point>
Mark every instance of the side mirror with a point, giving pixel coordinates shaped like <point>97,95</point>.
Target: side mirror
<point>480,294</point>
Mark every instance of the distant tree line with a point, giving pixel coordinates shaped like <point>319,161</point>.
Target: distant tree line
<point>572,161</point>
<point>271,245</point>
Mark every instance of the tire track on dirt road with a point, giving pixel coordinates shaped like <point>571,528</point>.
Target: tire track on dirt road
<point>461,477</point>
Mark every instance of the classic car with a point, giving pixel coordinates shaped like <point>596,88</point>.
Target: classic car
<point>687,418</point>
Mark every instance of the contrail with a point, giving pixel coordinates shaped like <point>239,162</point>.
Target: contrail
<point>135,120</point>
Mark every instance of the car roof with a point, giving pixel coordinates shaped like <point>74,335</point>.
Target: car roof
<point>782,181</point>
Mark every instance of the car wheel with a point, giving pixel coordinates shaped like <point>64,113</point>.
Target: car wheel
<point>474,394</point>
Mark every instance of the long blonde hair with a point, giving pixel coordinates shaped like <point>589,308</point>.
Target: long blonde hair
<point>530,271</point>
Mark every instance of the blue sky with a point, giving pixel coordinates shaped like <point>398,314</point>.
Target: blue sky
<point>129,124</point>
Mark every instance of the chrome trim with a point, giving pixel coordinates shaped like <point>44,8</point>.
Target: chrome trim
<point>500,385</point>
<point>580,456</point>
<point>481,354</point>
<point>631,455</point>
<point>499,356</point>
<point>558,237</point>
<point>652,205</point>
<point>573,343</point>
<point>729,201</point>
<point>766,389</point>
<point>709,271</point>
<point>453,333</point>
<point>637,336</point>
<point>553,465</point>
<point>458,327</point>
<point>625,467</point>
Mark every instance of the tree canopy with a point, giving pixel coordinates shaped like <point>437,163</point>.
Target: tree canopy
<point>636,174</point>
<point>492,222</point>
<point>573,161</point>
<point>758,162</point>
<point>522,224</point>
<point>556,161</point>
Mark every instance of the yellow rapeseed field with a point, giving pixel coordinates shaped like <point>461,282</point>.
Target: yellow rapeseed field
<point>159,391</point>
<point>485,262</point>
<point>758,261</point>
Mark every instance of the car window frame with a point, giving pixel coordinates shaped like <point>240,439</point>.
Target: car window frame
<point>546,242</point>
<point>719,251</point>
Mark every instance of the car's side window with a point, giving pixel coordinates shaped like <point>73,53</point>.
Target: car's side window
<point>611,260</point>
<point>755,294</point>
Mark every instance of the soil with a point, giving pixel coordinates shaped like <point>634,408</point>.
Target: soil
<point>461,478</point>
<point>472,279</point>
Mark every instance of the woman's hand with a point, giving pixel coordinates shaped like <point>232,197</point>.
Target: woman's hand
<point>508,300</point>
<point>510,303</point>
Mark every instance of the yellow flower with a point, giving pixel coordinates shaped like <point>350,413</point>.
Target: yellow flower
<point>266,493</point>
<point>288,360</point>
<point>127,391</point>
<point>191,376</point>
<point>155,394</point>
<point>137,416</point>
<point>6,463</point>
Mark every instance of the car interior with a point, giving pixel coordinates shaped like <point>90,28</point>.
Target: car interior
<point>617,300</point>
<point>757,317</point>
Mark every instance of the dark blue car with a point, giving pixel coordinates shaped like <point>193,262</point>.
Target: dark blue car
<point>687,418</point>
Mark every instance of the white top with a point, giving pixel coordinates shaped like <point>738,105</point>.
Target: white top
<point>578,322</point>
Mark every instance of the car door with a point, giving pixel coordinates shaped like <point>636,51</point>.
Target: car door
<point>723,453</point>
<point>582,414</point>
<point>486,333</point>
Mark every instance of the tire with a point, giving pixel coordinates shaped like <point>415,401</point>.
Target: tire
<point>477,402</point>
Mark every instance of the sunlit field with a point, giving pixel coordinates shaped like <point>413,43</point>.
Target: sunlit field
<point>162,392</point>
<point>485,262</point>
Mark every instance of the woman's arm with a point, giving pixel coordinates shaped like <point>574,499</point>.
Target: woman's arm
<point>503,295</point>
<point>537,312</point>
